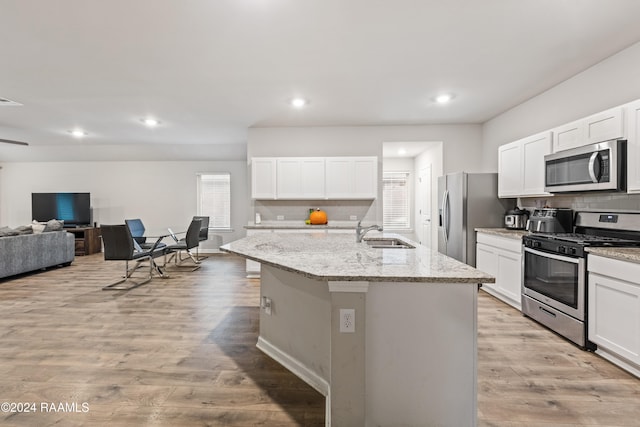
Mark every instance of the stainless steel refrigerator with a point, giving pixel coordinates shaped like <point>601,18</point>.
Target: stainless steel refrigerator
<point>467,201</point>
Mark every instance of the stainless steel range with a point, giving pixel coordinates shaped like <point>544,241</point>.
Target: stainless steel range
<point>554,282</point>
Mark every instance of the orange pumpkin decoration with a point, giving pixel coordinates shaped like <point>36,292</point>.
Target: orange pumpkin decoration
<point>318,217</point>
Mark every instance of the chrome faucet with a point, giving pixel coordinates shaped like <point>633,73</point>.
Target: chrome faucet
<point>360,232</point>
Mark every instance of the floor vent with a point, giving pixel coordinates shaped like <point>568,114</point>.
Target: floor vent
<point>4,102</point>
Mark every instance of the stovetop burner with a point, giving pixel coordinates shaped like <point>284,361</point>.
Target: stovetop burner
<point>589,239</point>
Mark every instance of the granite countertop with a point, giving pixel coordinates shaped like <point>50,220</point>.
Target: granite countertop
<point>622,254</point>
<point>338,257</point>
<point>300,225</point>
<point>504,232</point>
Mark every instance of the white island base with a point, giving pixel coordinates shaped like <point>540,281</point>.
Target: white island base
<point>410,362</point>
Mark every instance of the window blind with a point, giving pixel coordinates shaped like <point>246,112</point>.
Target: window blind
<point>214,199</point>
<point>395,197</point>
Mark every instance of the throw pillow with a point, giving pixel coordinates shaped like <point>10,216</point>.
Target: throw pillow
<point>24,229</point>
<point>6,231</point>
<point>53,225</point>
<point>37,227</point>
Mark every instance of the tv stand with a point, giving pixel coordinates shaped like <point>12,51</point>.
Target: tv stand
<point>87,240</point>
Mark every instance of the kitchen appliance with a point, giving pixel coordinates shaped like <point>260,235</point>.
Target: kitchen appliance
<point>600,166</point>
<point>516,219</point>
<point>550,220</point>
<point>467,201</point>
<point>554,280</point>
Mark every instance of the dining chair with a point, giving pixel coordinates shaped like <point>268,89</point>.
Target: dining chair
<point>203,236</point>
<point>119,245</point>
<point>137,229</point>
<point>190,241</point>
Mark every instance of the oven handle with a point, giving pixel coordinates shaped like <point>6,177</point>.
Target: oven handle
<point>553,256</point>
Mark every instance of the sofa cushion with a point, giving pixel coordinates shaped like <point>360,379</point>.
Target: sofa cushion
<point>6,231</point>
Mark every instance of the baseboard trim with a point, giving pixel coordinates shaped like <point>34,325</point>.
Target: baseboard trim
<point>296,367</point>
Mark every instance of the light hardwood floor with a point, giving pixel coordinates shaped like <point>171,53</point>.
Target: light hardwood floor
<point>181,352</point>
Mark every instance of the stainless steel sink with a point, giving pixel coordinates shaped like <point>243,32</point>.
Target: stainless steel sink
<point>388,242</point>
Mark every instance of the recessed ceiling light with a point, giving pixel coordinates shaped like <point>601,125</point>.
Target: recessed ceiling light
<point>78,133</point>
<point>444,98</point>
<point>402,151</point>
<point>299,102</point>
<point>151,122</point>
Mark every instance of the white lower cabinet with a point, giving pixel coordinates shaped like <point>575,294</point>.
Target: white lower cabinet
<point>614,310</point>
<point>502,258</point>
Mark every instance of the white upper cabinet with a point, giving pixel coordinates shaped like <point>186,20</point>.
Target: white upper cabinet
<point>599,127</point>
<point>300,178</point>
<point>510,170</point>
<point>534,148</point>
<point>352,177</point>
<point>263,178</point>
<point>313,178</point>
<point>633,147</point>
<point>521,166</point>
<point>569,136</point>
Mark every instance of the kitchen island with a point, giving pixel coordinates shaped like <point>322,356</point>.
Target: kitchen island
<point>387,335</point>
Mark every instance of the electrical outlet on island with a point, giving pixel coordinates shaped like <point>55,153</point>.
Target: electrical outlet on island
<point>353,217</point>
<point>280,217</point>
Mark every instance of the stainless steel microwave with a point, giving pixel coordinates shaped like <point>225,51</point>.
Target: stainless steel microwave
<point>594,167</point>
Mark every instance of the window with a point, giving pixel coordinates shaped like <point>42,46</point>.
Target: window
<point>395,197</point>
<point>214,199</point>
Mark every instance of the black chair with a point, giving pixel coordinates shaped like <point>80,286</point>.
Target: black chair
<point>204,234</point>
<point>136,227</point>
<point>119,245</point>
<point>190,241</point>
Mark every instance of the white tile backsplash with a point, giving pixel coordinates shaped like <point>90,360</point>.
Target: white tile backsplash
<point>587,201</point>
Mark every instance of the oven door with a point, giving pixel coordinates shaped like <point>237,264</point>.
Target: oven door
<point>556,280</point>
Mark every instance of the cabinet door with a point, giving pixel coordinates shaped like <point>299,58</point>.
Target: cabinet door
<point>568,136</point>
<point>509,275</point>
<point>487,261</point>
<point>340,178</point>
<point>365,185</point>
<point>300,178</point>
<point>509,170</point>
<point>263,178</point>
<point>351,177</point>
<point>604,126</point>
<point>633,147</point>
<point>534,149</point>
<point>614,315</point>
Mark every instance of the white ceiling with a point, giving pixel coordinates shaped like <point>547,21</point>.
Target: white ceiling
<point>211,69</point>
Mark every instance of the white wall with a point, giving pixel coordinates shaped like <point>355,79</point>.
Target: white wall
<point>611,82</point>
<point>162,194</point>
<point>462,144</point>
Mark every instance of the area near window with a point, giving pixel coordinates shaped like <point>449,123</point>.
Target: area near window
<point>395,196</point>
<point>214,199</point>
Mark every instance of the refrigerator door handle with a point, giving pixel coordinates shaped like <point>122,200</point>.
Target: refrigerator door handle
<point>447,220</point>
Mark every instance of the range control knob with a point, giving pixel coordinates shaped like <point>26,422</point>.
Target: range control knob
<point>562,249</point>
<point>572,251</point>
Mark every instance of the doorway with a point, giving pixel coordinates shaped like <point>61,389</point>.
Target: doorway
<point>423,161</point>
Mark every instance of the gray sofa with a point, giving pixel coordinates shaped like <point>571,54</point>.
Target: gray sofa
<point>29,252</point>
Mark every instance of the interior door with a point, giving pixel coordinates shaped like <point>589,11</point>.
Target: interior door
<point>424,212</point>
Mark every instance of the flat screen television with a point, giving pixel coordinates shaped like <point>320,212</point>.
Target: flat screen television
<point>73,208</point>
